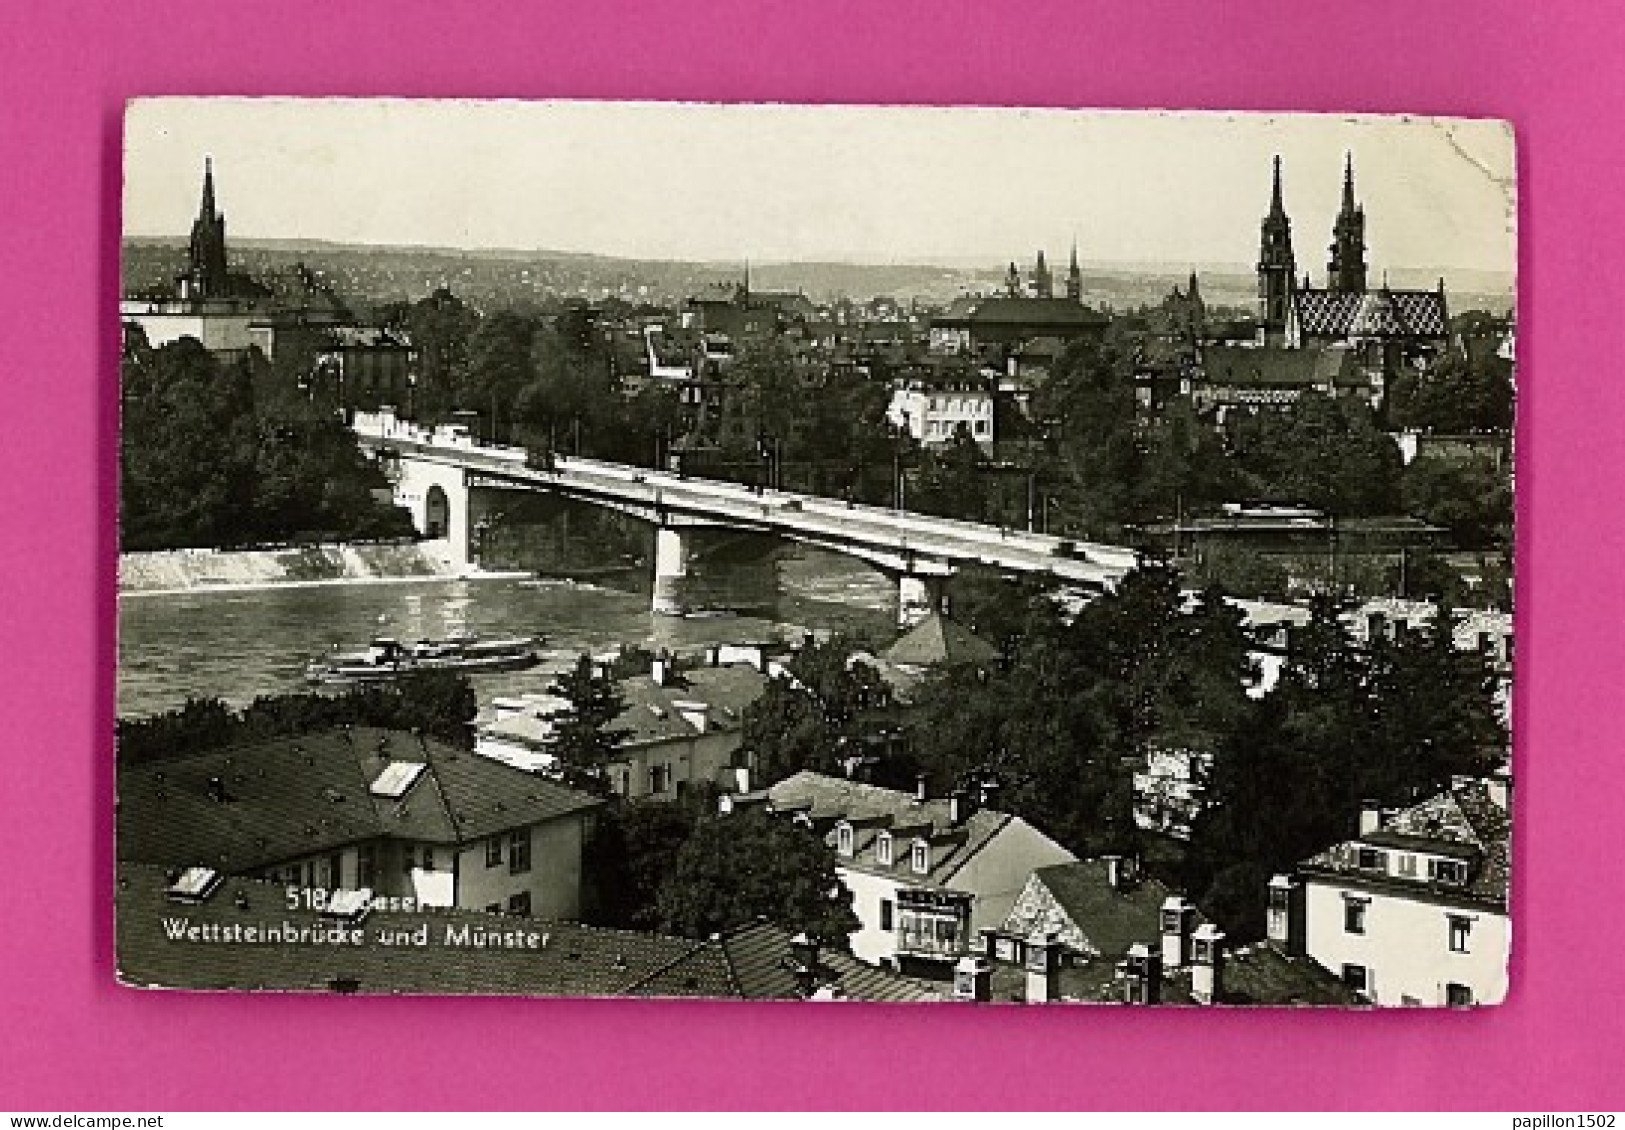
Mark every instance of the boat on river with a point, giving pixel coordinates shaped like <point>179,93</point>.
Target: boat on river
<point>386,658</point>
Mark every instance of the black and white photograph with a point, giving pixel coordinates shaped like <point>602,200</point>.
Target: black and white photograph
<point>814,552</point>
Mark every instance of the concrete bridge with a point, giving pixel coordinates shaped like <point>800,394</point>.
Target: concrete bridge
<point>447,481</point>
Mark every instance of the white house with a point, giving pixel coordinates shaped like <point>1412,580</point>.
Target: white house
<point>925,874</point>
<point>1413,910</point>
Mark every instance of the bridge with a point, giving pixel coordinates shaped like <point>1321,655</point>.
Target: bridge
<point>446,479</point>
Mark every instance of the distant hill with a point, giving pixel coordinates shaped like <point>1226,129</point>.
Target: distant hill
<point>371,276</point>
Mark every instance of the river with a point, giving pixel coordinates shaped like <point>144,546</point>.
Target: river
<point>240,643</point>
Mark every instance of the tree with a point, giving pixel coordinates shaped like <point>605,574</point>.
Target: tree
<point>582,737</point>
<point>1328,453</point>
<point>441,326</point>
<point>1472,498</point>
<point>630,855</point>
<point>952,479</point>
<point>737,868</point>
<point>817,715</point>
<point>1458,395</point>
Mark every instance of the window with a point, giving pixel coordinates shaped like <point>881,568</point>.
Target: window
<point>520,903</point>
<point>1449,871</point>
<point>1354,915</point>
<point>885,914</point>
<point>408,859</point>
<point>1407,865</point>
<point>493,908</point>
<point>1458,996</point>
<point>1357,978</point>
<point>883,849</point>
<point>843,839</point>
<point>493,852</point>
<point>659,777</point>
<point>428,858</point>
<point>1461,928</point>
<point>1372,860</point>
<point>519,852</point>
<point>366,866</point>
<point>920,859</point>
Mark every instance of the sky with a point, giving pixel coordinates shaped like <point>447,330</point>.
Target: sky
<point>775,182</point>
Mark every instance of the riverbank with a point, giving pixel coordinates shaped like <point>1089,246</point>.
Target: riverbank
<point>209,570</point>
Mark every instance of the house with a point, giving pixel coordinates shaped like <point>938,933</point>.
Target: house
<point>1098,931</point>
<point>1412,910</point>
<point>396,814</point>
<point>934,410</point>
<point>682,728</point>
<point>925,873</point>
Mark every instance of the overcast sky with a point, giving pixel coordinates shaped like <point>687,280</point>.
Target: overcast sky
<point>868,184</point>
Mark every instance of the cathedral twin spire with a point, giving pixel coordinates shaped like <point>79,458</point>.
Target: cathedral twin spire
<point>1277,266</point>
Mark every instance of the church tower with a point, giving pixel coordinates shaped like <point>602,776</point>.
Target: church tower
<point>1043,281</point>
<point>1074,277</point>
<point>206,275</point>
<point>1346,271</point>
<point>1276,266</point>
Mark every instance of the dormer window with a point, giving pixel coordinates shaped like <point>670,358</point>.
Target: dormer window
<point>1370,859</point>
<point>1449,871</point>
<point>883,849</point>
<point>920,857</point>
<point>843,839</point>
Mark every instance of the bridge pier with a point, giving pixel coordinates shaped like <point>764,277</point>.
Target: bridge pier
<point>671,571</point>
<point>918,596</point>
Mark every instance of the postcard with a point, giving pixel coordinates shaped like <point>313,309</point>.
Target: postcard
<point>815,553</point>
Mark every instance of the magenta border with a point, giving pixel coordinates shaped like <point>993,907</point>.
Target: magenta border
<point>76,1041</point>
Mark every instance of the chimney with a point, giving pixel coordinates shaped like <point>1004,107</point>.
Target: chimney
<point>1370,816</point>
<point>1178,916</point>
<point>958,807</point>
<point>1044,969</point>
<point>1373,627</point>
<point>1142,976</point>
<point>1499,788</point>
<point>973,979</point>
<point>1207,963</point>
<point>1286,914</point>
<point>660,670</point>
<point>1114,871</point>
<point>919,788</point>
<point>804,960</point>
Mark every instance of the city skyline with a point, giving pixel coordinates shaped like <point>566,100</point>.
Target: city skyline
<point>1437,192</point>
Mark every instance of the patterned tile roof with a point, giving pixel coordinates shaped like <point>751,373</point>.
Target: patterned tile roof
<point>1272,367</point>
<point>1341,314</point>
<point>1099,919</point>
<point>939,640</point>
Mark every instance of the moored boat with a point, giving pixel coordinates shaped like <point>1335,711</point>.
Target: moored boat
<point>386,658</point>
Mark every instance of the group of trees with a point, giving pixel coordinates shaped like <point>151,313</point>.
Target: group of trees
<point>224,452</point>
<point>679,866</point>
<point>439,704</point>
<point>1054,729</point>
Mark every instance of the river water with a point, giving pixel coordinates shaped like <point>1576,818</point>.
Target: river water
<point>241,643</point>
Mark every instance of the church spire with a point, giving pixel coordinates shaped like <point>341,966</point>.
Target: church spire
<point>1074,275</point>
<point>1346,270</point>
<point>1277,267</point>
<point>206,275</point>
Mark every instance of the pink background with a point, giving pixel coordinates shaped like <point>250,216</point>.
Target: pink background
<point>74,1040</point>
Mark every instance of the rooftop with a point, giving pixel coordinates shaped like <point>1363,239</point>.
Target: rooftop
<point>253,805</point>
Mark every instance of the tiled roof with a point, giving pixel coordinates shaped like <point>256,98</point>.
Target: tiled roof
<point>1111,920</point>
<point>1403,313</point>
<point>826,800</point>
<point>655,712</point>
<point>1269,366</point>
<point>1462,822</point>
<point>939,640</point>
<point>1006,311</point>
<point>1258,974</point>
<point>293,797</point>
<point>574,960</point>
<point>756,962</point>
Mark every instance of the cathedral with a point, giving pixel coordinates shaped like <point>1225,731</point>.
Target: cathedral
<point>1386,325</point>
